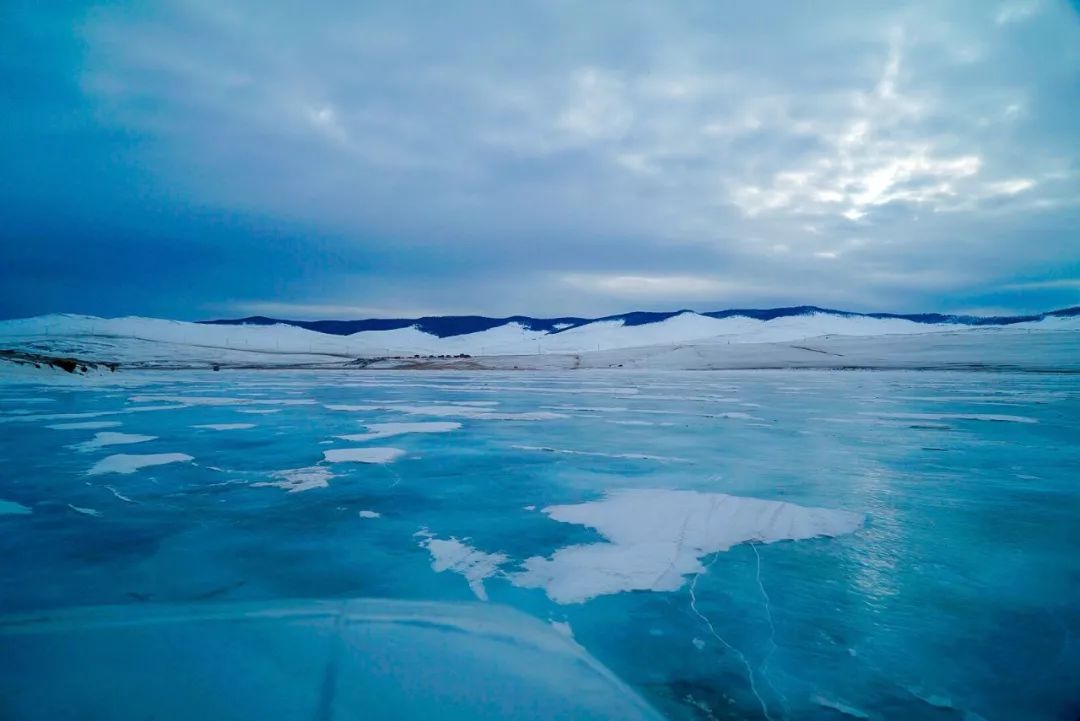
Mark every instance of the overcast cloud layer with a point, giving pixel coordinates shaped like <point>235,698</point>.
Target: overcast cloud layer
<point>218,158</point>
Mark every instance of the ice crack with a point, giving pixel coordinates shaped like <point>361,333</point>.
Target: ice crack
<point>739,654</point>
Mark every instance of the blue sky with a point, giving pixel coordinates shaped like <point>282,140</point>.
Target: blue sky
<point>210,158</point>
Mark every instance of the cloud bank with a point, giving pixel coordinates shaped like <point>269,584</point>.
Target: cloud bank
<point>212,158</point>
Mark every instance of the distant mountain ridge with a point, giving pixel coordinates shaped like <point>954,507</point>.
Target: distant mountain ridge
<point>447,326</point>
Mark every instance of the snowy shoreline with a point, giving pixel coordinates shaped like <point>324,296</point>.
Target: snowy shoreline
<point>63,345</point>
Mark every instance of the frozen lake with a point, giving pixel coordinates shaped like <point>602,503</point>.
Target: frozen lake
<point>733,545</point>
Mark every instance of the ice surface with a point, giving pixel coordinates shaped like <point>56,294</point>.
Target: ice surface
<point>839,706</point>
<point>598,454</point>
<point>993,417</point>
<point>479,413</point>
<point>338,659</point>
<point>107,438</point>
<point>959,585</point>
<point>127,463</point>
<point>120,496</point>
<point>194,400</point>
<point>657,536</point>
<point>387,430</point>
<point>11,508</point>
<point>363,455</point>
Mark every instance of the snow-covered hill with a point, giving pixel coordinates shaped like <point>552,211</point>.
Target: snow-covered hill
<point>152,341</point>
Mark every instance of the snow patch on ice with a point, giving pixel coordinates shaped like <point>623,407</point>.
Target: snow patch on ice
<point>126,463</point>
<point>563,628</point>
<point>656,537</point>
<point>459,557</point>
<point>107,438</point>
<point>362,455</point>
<point>85,426</point>
<point>85,511</point>
<point>369,514</point>
<point>296,480</point>
<point>386,430</point>
<point>225,426</point>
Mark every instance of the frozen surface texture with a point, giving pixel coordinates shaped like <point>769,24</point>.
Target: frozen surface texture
<point>762,545</point>
<point>341,660</point>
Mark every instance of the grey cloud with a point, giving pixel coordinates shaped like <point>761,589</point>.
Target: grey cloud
<point>533,157</point>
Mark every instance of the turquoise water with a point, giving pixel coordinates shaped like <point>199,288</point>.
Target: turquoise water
<point>957,598</point>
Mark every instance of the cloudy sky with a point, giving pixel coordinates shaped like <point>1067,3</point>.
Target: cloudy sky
<point>209,158</point>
